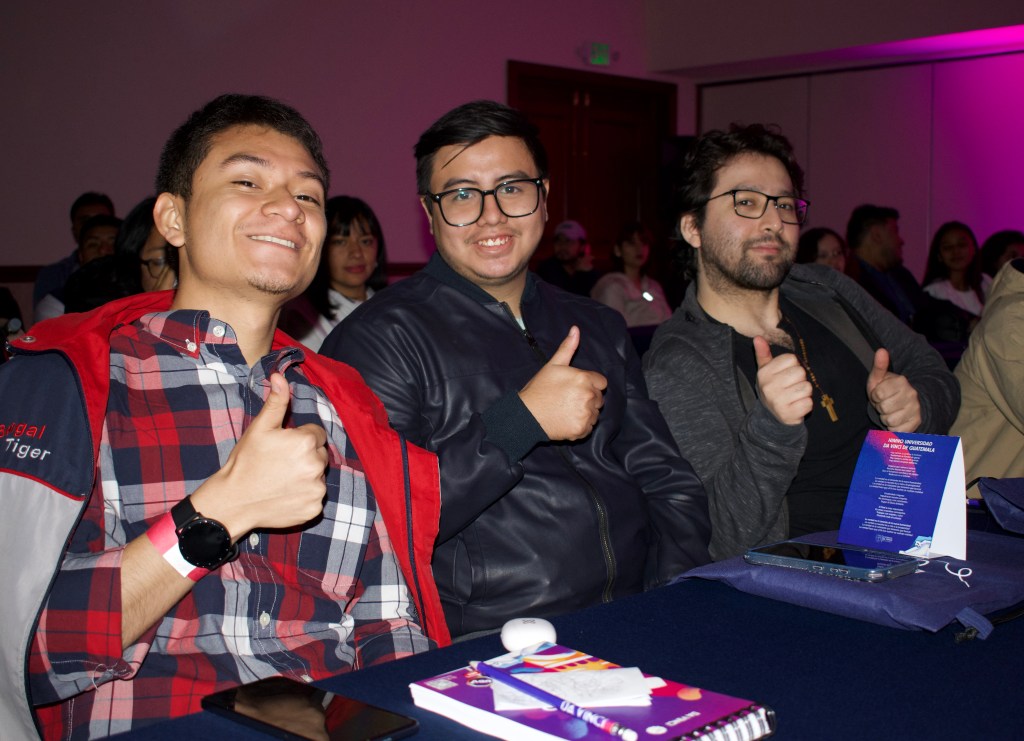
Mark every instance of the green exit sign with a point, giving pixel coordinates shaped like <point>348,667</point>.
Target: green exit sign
<point>600,54</point>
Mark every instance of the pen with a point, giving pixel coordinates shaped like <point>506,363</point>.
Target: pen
<point>596,720</point>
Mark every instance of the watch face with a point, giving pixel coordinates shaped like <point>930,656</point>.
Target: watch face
<point>204,543</point>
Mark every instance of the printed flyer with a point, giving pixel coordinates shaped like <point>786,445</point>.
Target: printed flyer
<point>907,495</point>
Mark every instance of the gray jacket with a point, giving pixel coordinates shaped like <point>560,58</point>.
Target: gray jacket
<point>746,458</point>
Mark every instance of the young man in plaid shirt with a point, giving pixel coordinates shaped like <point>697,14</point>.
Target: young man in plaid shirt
<point>191,500</point>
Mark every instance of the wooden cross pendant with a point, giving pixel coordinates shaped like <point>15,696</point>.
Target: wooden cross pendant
<point>830,407</point>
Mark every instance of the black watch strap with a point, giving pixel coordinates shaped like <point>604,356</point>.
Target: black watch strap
<point>183,512</point>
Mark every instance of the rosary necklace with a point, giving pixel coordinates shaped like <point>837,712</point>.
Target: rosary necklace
<point>826,401</point>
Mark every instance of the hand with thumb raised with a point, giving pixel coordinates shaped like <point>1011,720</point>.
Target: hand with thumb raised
<point>275,477</point>
<point>782,384</point>
<point>565,401</point>
<point>892,396</point>
<point>563,355</point>
<point>879,370</point>
<point>762,352</point>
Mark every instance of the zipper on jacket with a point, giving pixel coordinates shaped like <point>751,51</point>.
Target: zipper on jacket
<point>595,498</point>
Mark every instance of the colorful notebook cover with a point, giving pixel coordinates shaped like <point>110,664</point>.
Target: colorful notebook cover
<point>676,711</point>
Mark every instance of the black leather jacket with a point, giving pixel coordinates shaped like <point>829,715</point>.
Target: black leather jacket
<point>528,526</point>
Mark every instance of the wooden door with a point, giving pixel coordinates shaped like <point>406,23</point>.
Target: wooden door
<point>605,136</point>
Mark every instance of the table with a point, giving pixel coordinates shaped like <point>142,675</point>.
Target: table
<point>826,676</point>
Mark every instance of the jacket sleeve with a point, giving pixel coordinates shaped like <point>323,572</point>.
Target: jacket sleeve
<point>480,461</point>
<point>910,356</point>
<point>677,504</point>
<point>1002,357</point>
<point>384,618</point>
<point>77,644</point>
<point>746,459</point>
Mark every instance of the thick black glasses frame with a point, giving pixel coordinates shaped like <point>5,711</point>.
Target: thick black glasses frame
<point>436,198</point>
<point>152,260</point>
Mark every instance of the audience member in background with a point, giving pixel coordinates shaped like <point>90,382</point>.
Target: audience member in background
<point>141,262</point>
<point>956,290</point>
<point>991,374</point>
<point>999,249</point>
<point>562,485</point>
<point>145,262</point>
<point>353,266</point>
<point>628,289</point>
<point>823,246</point>
<point>11,326</point>
<point>95,240</point>
<point>571,267</point>
<point>205,503</point>
<point>953,272</point>
<point>770,374</point>
<point>53,277</point>
<point>873,234</point>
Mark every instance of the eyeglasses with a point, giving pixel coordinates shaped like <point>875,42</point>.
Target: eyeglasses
<point>155,265</point>
<point>465,206</point>
<point>751,204</point>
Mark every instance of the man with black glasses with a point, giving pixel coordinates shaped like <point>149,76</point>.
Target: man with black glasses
<point>561,486</point>
<point>771,374</point>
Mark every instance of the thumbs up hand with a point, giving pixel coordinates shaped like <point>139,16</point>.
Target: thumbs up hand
<point>782,384</point>
<point>564,400</point>
<point>274,478</point>
<point>892,396</point>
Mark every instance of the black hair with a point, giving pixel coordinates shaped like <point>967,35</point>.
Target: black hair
<point>96,221</point>
<point>994,248</point>
<point>807,247</point>
<point>863,218</point>
<point>134,233</point>
<point>342,212</point>
<point>91,198</point>
<point>936,270</point>
<point>188,146</point>
<point>710,152</point>
<point>96,282</point>
<point>470,124</point>
<point>628,231</point>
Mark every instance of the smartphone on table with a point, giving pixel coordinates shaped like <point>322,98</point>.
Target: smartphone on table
<point>287,709</point>
<point>846,561</point>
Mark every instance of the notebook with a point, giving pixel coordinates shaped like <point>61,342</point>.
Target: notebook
<point>652,707</point>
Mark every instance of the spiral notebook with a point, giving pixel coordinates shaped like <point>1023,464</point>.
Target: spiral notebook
<point>653,707</point>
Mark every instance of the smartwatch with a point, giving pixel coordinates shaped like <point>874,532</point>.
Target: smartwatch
<point>203,542</point>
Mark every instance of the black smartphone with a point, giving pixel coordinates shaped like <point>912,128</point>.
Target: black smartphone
<point>284,708</point>
<point>848,562</point>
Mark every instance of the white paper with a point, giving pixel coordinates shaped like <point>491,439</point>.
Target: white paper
<point>589,689</point>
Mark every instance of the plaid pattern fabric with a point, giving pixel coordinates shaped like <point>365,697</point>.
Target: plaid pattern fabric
<point>305,604</point>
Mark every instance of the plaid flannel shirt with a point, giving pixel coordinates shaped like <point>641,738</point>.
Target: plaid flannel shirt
<point>306,603</point>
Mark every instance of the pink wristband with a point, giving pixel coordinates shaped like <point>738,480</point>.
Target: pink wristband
<point>164,538</point>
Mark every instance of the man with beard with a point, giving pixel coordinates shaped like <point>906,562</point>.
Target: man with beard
<point>771,374</point>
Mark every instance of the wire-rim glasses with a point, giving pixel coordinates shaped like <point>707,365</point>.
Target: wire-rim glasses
<point>751,204</point>
<point>464,206</point>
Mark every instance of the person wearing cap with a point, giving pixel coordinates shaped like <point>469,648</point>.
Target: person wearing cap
<point>571,268</point>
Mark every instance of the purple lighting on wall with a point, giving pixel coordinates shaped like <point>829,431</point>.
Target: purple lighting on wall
<point>967,43</point>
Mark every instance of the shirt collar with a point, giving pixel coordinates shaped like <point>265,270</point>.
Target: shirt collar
<point>188,329</point>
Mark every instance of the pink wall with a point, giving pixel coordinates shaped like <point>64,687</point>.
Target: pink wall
<point>711,41</point>
<point>938,141</point>
<point>93,89</point>
<point>978,151</point>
